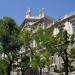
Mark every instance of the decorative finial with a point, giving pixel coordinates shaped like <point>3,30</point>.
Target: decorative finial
<point>28,13</point>
<point>42,12</point>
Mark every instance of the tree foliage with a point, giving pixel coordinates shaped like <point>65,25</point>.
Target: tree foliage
<point>9,40</point>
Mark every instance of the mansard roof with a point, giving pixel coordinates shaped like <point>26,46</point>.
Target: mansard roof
<point>38,20</point>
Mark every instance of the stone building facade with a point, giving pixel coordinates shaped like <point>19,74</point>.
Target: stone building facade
<point>44,21</point>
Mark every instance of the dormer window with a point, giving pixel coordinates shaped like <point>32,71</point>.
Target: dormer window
<point>73,26</point>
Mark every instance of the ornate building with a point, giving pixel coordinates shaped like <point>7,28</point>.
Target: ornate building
<point>44,21</point>
<point>41,20</point>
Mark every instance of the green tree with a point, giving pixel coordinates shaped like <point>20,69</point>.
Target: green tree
<point>63,41</point>
<point>59,43</point>
<point>9,40</point>
<point>37,59</point>
<point>43,49</point>
<point>26,38</point>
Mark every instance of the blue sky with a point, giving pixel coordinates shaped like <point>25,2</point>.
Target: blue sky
<point>17,8</point>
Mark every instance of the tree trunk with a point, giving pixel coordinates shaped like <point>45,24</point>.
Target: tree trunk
<point>48,69</point>
<point>9,68</point>
<point>65,54</point>
<point>40,71</point>
<point>66,62</point>
<point>22,70</point>
<point>65,59</point>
